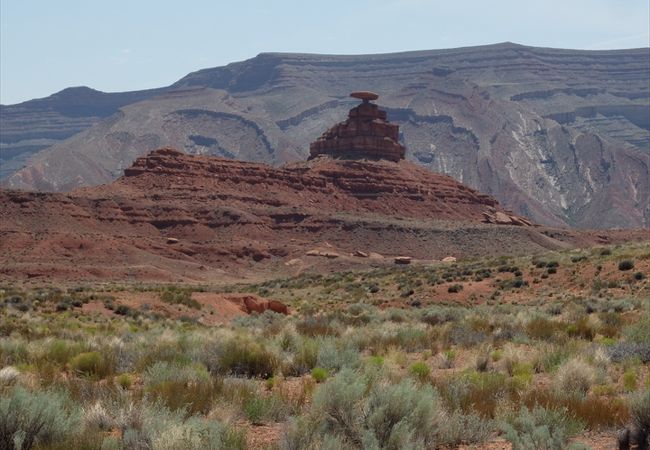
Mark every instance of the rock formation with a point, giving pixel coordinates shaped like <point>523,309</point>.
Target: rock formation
<point>253,304</point>
<point>176,216</point>
<point>559,136</point>
<point>365,134</point>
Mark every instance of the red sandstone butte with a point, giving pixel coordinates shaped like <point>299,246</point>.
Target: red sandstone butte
<point>365,134</point>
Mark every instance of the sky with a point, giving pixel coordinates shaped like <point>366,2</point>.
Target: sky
<point>117,45</point>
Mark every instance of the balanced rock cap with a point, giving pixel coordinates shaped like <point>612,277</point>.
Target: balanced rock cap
<point>364,95</point>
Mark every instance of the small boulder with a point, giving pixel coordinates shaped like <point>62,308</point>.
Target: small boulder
<point>171,240</point>
<point>449,259</point>
<point>252,305</point>
<point>278,307</point>
<point>402,260</point>
<point>502,219</point>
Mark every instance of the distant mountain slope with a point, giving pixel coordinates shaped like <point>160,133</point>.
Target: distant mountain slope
<point>28,127</point>
<point>561,136</point>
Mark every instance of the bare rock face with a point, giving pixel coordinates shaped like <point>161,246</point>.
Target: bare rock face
<point>365,134</point>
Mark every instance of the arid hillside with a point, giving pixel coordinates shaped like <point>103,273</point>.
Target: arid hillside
<point>176,216</point>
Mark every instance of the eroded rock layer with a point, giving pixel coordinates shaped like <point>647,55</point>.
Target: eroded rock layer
<point>365,134</point>
<point>174,216</point>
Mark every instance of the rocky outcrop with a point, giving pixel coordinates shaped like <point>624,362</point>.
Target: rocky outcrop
<point>353,186</point>
<point>175,216</point>
<point>180,217</point>
<point>252,304</point>
<point>365,134</point>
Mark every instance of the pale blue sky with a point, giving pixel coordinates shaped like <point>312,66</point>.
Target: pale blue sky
<point>117,45</point>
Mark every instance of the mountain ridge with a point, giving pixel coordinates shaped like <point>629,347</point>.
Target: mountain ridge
<point>558,135</point>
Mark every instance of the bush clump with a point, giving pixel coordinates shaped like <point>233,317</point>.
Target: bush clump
<point>540,429</point>
<point>179,296</point>
<point>241,356</point>
<point>639,405</point>
<point>575,377</point>
<point>420,371</point>
<point>346,412</point>
<point>90,364</point>
<point>626,264</point>
<point>41,418</point>
<point>156,427</point>
<point>316,326</point>
<point>180,387</point>
<point>319,374</point>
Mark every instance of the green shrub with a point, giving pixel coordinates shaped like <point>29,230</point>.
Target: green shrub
<point>411,339</point>
<point>459,428</point>
<point>595,412</point>
<point>639,405</point>
<point>522,374</point>
<point>316,326</point>
<point>305,356</point>
<point>437,315</point>
<point>336,405</point>
<point>626,264</point>
<point>334,355</point>
<point>255,409</point>
<point>348,413</point>
<point>540,429</point>
<point>41,418</point>
<point>375,361</point>
<point>259,408</point>
<point>477,392</point>
<point>630,380</point>
<point>156,427</point>
<point>179,296</point>
<point>90,364</point>
<point>401,416</point>
<point>550,357</point>
<point>124,380</point>
<point>319,374</point>
<point>242,356</point>
<point>640,331</point>
<point>188,388</point>
<point>447,358</point>
<point>420,371</point>
<point>61,351</point>
<point>541,328</point>
<point>455,288</point>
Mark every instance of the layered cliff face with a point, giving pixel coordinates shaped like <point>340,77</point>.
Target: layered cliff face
<point>29,127</point>
<point>174,216</point>
<point>559,136</point>
<point>365,134</point>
